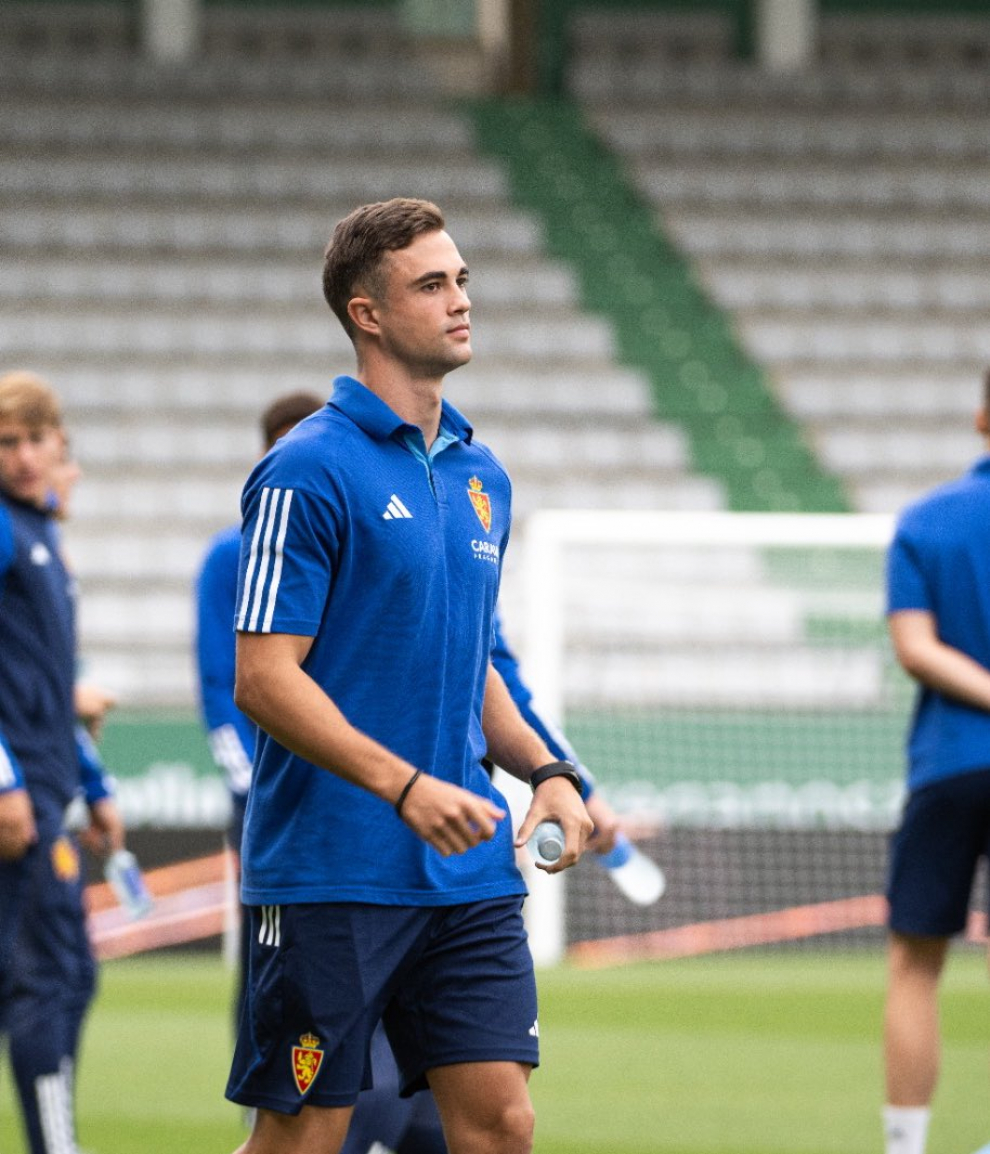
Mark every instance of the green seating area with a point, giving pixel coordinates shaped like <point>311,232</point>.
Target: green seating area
<point>665,324</point>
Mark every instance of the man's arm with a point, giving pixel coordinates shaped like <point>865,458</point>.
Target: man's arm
<point>607,826</point>
<point>278,695</point>
<point>93,703</point>
<point>519,750</point>
<point>922,654</point>
<point>230,734</point>
<point>17,828</point>
<point>105,832</point>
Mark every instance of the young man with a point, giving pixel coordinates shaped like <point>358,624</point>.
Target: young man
<point>381,1117</point>
<point>377,857</point>
<point>939,618</point>
<point>47,972</point>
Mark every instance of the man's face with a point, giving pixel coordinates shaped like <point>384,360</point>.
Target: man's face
<point>423,311</point>
<point>28,459</point>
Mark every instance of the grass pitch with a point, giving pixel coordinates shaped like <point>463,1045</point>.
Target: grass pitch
<point>769,1053</point>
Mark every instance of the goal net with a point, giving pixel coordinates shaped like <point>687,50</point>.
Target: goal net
<point>729,680</point>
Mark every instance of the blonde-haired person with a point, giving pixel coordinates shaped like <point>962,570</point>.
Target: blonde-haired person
<point>47,971</point>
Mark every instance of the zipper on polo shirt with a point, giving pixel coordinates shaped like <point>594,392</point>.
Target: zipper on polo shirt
<point>415,442</point>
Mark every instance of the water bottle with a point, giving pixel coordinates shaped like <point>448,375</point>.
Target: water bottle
<point>124,875</point>
<point>546,843</point>
<point>639,878</point>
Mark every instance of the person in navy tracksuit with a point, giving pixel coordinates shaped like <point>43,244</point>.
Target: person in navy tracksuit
<point>47,970</point>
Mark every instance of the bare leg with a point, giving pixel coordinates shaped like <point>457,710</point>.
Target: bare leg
<point>315,1130</point>
<point>911,1025</point>
<point>485,1107</point>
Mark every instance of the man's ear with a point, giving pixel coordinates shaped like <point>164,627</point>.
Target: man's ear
<point>982,422</point>
<point>364,314</point>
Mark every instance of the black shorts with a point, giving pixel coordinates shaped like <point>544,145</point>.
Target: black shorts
<point>452,984</point>
<point>944,832</point>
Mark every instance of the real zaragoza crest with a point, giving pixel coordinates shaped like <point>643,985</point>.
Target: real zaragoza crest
<point>482,503</point>
<point>307,1058</point>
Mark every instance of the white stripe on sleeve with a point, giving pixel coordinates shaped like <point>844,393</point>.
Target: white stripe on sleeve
<point>253,558</point>
<point>259,589</point>
<point>7,776</point>
<point>277,569</point>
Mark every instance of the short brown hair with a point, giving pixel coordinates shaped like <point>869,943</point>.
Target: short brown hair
<point>29,399</point>
<point>285,412</point>
<point>354,255</point>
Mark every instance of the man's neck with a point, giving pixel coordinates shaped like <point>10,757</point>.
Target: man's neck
<point>418,401</point>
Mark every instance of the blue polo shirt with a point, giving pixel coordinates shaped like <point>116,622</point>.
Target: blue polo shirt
<point>939,562</point>
<point>390,560</point>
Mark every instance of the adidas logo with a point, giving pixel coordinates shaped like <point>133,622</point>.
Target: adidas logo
<point>396,511</point>
<point>534,1030</point>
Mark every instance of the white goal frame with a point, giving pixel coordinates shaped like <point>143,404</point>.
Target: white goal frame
<point>548,532</point>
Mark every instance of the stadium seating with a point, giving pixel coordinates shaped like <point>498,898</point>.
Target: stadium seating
<point>839,214</point>
<point>162,235</point>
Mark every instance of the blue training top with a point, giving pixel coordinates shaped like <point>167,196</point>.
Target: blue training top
<point>37,659</point>
<point>231,735</point>
<point>939,562</point>
<point>391,562</point>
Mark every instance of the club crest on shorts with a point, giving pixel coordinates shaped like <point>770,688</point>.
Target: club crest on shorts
<point>482,503</point>
<point>65,860</point>
<point>307,1058</point>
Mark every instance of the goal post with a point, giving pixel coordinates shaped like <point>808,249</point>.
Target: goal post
<point>729,680</point>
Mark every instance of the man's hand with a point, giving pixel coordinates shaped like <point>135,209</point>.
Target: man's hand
<point>451,819</point>
<point>556,799</point>
<point>92,705</point>
<point>606,824</point>
<point>17,829</point>
<point>105,832</point>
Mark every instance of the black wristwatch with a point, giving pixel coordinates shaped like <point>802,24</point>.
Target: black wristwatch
<point>555,769</point>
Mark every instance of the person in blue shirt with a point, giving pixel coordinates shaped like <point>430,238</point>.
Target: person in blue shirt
<point>938,606</point>
<point>378,860</point>
<point>47,971</point>
<point>407,1126</point>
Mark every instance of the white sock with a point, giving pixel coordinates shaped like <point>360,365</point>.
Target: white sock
<point>905,1129</point>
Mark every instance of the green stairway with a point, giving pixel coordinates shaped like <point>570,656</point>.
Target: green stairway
<point>666,325</point>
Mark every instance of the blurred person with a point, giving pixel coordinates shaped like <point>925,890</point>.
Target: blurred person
<point>378,861</point>
<point>938,607</point>
<point>47,969</point>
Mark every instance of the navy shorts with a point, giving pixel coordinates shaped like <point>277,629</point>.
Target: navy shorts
<point>451,983</point>
<point>48,972</point>
<point>944,832</point>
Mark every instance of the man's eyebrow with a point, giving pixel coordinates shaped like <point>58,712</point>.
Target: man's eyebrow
<point>428,276</point>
